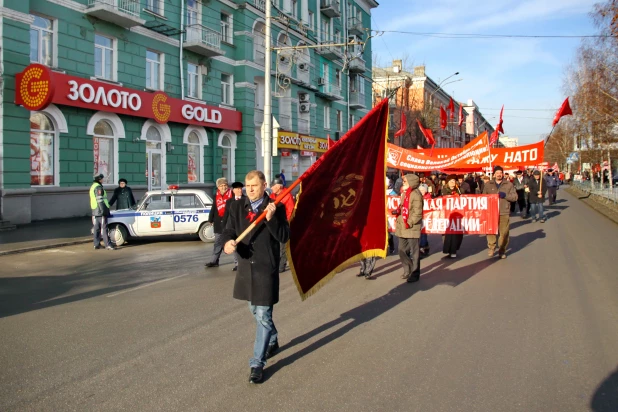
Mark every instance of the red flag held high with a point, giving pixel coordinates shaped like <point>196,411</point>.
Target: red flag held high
<point>460,115</point>
<point>403,127</point>
<point>494,138</point>
<point>565,110</point>
<point>331,142</point>
<point>451,108</point>
<point>340,215</point>
<point>427,133</point>
<point>499,128</point>
<point>443,119</point>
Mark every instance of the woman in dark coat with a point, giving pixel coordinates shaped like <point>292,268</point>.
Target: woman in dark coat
<point>123,196</point>
<point>452,242</point>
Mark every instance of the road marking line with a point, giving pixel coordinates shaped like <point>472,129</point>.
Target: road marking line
<point>146,285</point>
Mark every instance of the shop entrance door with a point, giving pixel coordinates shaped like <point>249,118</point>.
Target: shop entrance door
<point>153,168</point>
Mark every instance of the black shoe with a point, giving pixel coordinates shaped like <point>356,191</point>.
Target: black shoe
<point>235,269</point>
<point>360,275</point>
<point>98,247</point>
<point>412,279</point>
<point>256,375</point>
<point>212,265</point>
<point>271,350</point>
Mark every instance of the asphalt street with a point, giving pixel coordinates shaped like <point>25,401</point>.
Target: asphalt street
<point>148,328</point>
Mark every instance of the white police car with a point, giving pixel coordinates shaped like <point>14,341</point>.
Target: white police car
<point>164,213</point>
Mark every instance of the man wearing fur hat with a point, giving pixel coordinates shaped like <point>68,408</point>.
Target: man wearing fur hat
<point>507,193</point>
<point>408,227</point>
<point>218,217</point>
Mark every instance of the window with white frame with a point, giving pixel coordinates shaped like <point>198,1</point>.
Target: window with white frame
<point>104,57</point>
<point>42,151</point>
<point>192,12</point>
<point>227,157</point>
<point>338,78</point>
<point>103,150</point>
<point>194,158</point>
<point>42,41</point>
<point>339,121</point>
<point>326,117</point>
<point>226,28</point>
<point>153,70</point>
<point>295,8</point>
<point>361,83</point>
<point>193,81</point>
<point>155,6</point>
<point>226,89</point>
<point>311,19</point>
<point>326,29</point>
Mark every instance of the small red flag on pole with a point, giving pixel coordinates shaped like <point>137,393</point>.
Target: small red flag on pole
<point>460,115</point>
<point>443,118</point>
<point>403,127</point>
<point>451,108</point>
<point>427,133</point>
<point>565,110</point>
<point>499,128</point>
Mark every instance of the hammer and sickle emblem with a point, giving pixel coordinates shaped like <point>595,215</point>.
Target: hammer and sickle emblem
<point>346,201</point>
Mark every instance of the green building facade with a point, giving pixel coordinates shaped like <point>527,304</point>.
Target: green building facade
<point>176,56</point>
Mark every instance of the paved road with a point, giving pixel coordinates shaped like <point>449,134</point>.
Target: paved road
<point>146,328</point>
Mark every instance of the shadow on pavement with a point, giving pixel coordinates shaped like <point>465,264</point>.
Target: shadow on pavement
<point>517,243</point>
<point>605,398</point>
<point>371,310</point>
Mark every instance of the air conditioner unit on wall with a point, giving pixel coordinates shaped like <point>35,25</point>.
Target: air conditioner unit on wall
<point>304,108</point>
<point>321,81</point>
<point>303,97</point>
<point>303,67</point>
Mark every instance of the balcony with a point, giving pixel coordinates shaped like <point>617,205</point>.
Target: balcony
<point>258,116</point>
<point>330,52</point>
<point>303,126</point>
<point>357,65</point>
<point>123,13</point>
<point>330,92</point>
<point>285,121</point>
<point>355,26</point>
<point>357,100</point>
<point>202,40</point>
<point>330,8</point>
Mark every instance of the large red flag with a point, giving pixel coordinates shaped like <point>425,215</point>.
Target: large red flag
<point>451,108</point>
<point>499,127</point>
<point>565,110</point>
<point>403,127</point>
<point>340,215</point>
<point>460,115</point>
<point>443,119</point>
<point>427,133</point>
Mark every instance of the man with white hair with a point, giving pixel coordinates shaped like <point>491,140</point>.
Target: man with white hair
<point>217,218</point>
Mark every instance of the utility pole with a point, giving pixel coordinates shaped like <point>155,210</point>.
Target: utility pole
<point>268,98</point>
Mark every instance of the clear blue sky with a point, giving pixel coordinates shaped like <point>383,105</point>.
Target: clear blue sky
<point>521,73</point>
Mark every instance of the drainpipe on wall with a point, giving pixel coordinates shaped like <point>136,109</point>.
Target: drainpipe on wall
<point>214,157</point>
<point>345,31</point>
<point>182,78</point>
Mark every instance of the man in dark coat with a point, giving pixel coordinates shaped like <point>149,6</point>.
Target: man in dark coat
<point>257,280</point>
<point>507,193</point>
<point>237,195</point>
<point>537,192</point>
<point>520,182</point>
<point>217,218</point>
<point>123,196</point>
<point>464,187</point>
<point>551,181</point>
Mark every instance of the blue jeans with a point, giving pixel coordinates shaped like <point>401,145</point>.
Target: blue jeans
<point>537,207</point>
<point>265,334</point>
<point>424,240</point>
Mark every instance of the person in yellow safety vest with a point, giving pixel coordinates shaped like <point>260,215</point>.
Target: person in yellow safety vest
<point>100,212</point>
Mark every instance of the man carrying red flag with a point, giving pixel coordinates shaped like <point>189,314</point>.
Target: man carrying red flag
<point>340,215</point>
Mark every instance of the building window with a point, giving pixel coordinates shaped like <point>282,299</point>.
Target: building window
<point>42,150</point>
<point>227,144</point>
<point>194,158</point>
<point>226,89</point>
<point>311,19</point>
<point>192,12</point>
<point>295,8</point>
<point>104,57</point>
<point>226,28</point>
<point>103,150</point>
<point>154,162</point>
<point>338,77</point>
<point>41,41</point>
<point>153,70</point>
<point>339,121</point>
<point>193,81</point>
<point>326,117</point>
<point>155,6</point>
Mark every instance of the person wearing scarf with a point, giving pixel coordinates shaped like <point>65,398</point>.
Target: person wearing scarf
<point>217,218</point>
<point>452,241</point>
<point>408,227</point>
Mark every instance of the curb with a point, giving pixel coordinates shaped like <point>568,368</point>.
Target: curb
<point>43,247</point>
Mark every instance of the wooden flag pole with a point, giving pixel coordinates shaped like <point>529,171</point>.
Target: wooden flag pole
<point>548,136</point>
<point>263,215</point>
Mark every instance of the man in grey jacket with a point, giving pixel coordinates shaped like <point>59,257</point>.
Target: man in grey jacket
<point>408,227</point>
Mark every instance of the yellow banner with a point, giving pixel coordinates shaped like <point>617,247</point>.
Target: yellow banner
<point>296,141</point>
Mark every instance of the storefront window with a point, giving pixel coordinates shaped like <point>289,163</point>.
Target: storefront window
<point>226,157</point>
<point>103,149</point>
<point>42,137</point>
<point>194,158</point>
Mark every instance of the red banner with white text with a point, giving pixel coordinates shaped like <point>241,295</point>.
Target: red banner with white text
<point>467,214</point>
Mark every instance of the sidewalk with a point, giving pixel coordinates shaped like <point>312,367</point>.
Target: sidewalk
<point>46,234</point>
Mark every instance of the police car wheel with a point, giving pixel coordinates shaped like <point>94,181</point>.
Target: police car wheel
<point>118,235</point>
<point>207,233</point>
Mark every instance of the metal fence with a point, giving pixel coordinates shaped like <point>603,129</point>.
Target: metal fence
<point>131,7</point>
<point>604,193</point>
